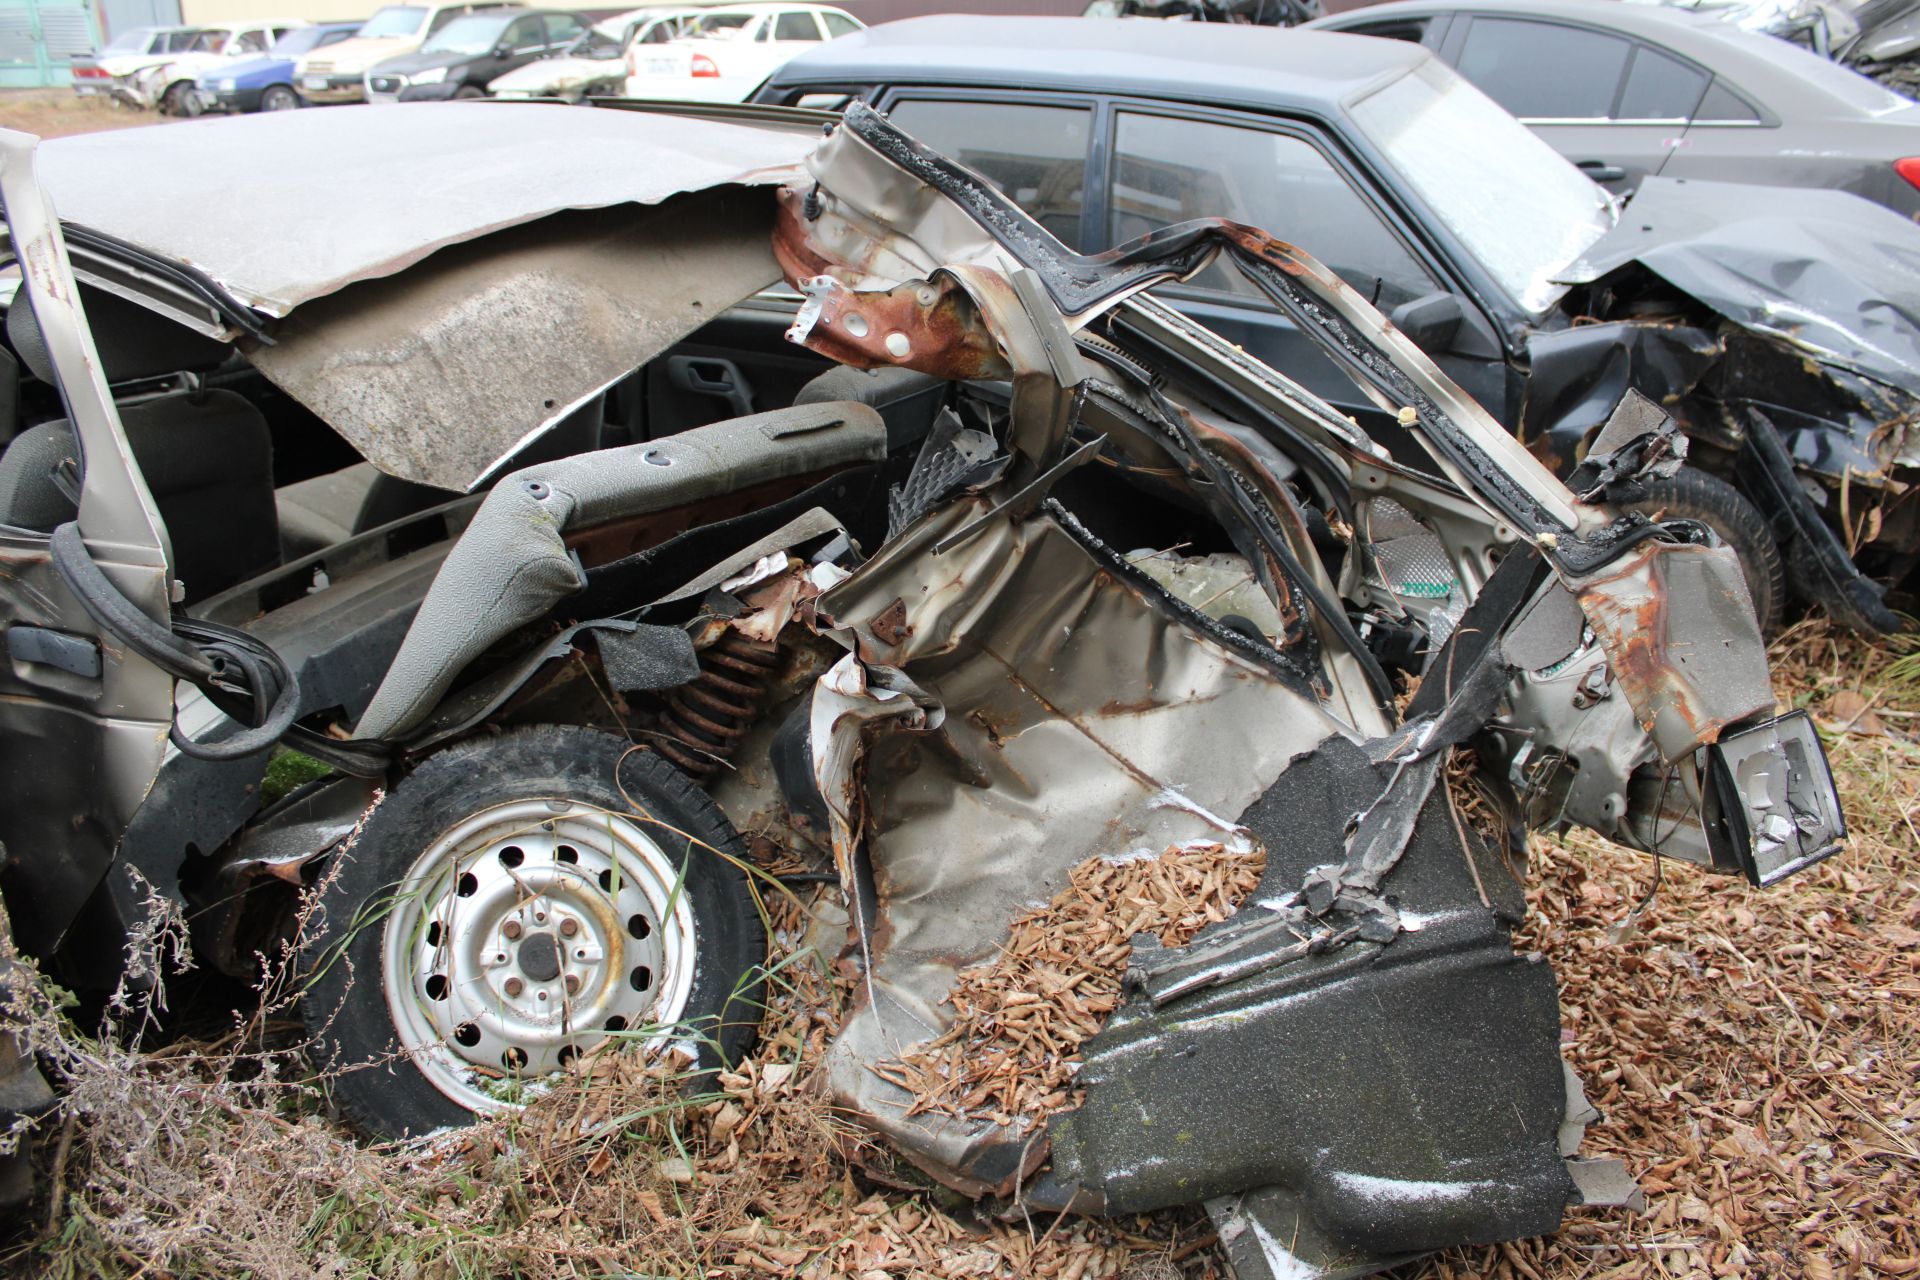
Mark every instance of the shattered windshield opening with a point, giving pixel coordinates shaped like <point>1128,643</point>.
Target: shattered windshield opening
<point>1518,205</point>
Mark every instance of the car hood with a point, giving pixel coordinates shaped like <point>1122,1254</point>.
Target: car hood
<point>408,64</point>
<point>388,364</point>
<point>557,74</point>
<point>1829,272</point>
<point>362,51</point>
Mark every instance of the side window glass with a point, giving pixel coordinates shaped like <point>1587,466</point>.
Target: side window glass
<point>1660,87</point>
<point>524,34</point>
<point>1723,106</point>
<point>1538,70</point>
<point>563,28</point>
<point>1036,155</point>
<point>1168,170</point>
<point>250,42</point>
<point>1412,30</point>
<point>839,24</point>
<point>796,25</point>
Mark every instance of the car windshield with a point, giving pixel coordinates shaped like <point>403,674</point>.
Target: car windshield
<point>718,26</point>
<point>297,41</point>
<point>179,42</point>
<point>134,41</point>
<point>475,33</point>
<point>208,42</point>
<point>1510,198</point>
<point>394,20</point>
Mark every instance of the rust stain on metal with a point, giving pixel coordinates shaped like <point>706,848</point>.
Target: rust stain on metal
<point>890,627</point>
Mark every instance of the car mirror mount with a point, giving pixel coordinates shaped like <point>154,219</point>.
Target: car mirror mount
<point>1430,322</point>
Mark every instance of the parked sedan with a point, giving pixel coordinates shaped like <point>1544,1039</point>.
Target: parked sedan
<point>1628,90</point>
<point>877,608</point>
<point>596,64</point>
<point>1777,324</point>
<point>727,52</point>
<point>266,83</point>
<point>463,57</point>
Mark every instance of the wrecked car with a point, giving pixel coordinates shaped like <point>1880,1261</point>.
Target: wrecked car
<point>1776,325</point>
<point>979,574</point>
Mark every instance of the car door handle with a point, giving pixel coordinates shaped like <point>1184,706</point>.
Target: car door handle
<point>707,376</point>
<point>1601,171</point>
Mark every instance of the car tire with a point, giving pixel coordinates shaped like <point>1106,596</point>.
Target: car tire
<point>279,97</point>
<point>180,100</point>
<point>467,91</point>
<point>1695,495</point>
<point>509,905</point>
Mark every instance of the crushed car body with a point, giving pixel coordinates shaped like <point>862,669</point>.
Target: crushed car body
<point>1035,591</point>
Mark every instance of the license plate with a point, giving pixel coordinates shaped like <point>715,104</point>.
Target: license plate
<point>314,82</point>
<point>1771,802</point>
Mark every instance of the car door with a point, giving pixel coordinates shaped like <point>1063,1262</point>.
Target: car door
<point>1613,106</point>
<point>1157,165</point>
<point>1169,165</point>
<point>524,40</point>
<point>784,35</point>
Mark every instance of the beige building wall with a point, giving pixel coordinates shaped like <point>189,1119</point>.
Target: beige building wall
<point>196,11</point>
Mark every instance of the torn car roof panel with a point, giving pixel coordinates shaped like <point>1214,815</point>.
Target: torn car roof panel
<point>433,175</point>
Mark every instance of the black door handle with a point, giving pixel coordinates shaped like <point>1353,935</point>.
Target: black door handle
<point>1601,171</point>
<point>708,376</point>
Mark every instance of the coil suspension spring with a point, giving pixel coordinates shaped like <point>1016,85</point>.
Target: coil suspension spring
<point>706,717</point>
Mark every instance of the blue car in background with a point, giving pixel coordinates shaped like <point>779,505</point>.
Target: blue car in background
<point>266,83</point>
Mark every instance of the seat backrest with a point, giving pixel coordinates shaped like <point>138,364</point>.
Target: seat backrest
<point>208,461</point>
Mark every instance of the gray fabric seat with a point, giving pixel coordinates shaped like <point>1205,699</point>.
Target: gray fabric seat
<point>208,461</point>
<point>207,455</point>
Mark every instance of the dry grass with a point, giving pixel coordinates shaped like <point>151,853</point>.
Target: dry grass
<point>1756,1055</point>
<point>55,113</point>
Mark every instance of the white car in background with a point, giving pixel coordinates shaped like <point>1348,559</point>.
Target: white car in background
<point>727,52</point>
<point>135,49</point>
<point>170,85</point>
<point>595,64</point>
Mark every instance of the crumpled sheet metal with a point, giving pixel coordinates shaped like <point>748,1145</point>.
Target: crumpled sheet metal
<point>400,185</point>
<point>1677,626</point>
<point>438,375</point>
<point>1831,273</point>
<point>1055,714</point>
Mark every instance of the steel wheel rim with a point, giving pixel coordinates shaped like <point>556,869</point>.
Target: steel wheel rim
<point>525,935</point>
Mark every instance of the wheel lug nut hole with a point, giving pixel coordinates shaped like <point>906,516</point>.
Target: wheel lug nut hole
<point>514,1059</point>
<point>639,926</point>
<point>468,885</point>
<point>543,995</point>
<point>437,986</point>
<point>512,856</point>
<point>567,853</point>
<point>641,977</point>
<point>466,1035</point>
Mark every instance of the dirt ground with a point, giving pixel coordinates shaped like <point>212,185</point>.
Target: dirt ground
<point>55,113</point>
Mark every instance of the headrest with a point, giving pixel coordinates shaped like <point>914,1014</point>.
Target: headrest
<point>133,341</point>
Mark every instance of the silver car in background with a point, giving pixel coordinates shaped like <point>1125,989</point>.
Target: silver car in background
<point>1629,90</point>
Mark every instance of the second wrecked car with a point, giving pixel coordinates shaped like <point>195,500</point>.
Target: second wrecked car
<point>996,576</point>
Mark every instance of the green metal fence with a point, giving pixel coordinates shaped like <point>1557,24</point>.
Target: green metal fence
<point>39,39</point>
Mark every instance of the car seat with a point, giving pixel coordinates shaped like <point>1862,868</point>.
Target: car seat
<point>207,455</point>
